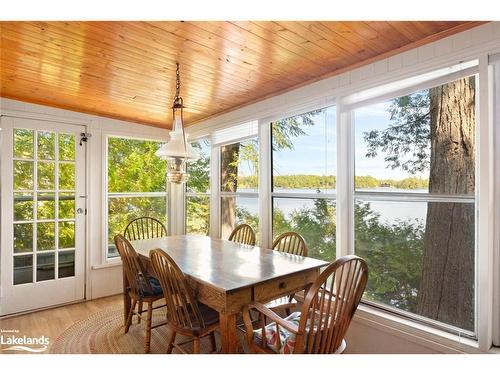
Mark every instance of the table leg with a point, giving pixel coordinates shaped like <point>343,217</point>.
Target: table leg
<point>228,333</point>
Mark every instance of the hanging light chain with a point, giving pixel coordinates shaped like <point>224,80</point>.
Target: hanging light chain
<point>177,82</point>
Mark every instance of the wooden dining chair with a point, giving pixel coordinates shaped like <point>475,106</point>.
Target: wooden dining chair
<point>243,234</point>
<point>291,243</point>
<point>143,228</point>
<point>320,325</point>
<point>186,315</point>
<point>143,288</point>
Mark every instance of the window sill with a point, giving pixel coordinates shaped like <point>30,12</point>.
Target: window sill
<point>415,332</point>
<point>108,264</point>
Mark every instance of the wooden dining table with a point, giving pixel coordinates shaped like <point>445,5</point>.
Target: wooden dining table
<point>226,275</point>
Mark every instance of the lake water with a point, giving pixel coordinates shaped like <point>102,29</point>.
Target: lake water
<point>389,212</point>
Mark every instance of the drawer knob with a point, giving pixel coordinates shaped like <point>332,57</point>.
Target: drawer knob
<point>281,285</point>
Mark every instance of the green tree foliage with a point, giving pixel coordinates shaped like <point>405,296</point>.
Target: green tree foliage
<point>406,141</point>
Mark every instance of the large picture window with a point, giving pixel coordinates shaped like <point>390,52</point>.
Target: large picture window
<point>304,179</point>
<point>414,214</point>
<point>136,185</point>
<point>198,191</point>
<point>239,185</point>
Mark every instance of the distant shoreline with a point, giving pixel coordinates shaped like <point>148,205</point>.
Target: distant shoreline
<point>304,181</point>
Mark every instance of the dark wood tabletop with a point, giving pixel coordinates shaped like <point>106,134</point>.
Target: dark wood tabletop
<point>226,265</point>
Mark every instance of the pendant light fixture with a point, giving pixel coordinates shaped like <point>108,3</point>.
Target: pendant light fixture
<point>177,151</point>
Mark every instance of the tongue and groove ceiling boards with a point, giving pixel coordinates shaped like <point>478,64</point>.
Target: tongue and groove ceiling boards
<point>126,70</point>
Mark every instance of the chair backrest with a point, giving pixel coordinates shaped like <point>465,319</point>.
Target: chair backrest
<point>183,311</point>
<point>291,243</point>
<point>143,228</point>
<point>243,234</point>
<point>330,304</point>
<point>133,268</point>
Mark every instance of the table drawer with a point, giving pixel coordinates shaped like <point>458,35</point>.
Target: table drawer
<point>282,286</point>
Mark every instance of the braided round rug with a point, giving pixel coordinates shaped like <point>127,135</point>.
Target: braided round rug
<point>103,333</point>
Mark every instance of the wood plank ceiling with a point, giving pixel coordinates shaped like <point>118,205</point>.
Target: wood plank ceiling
<point>126,70</point>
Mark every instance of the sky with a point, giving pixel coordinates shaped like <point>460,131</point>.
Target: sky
<point>315,153</point>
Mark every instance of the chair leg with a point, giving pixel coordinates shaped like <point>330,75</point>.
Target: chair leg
<point>212,342</point>
<point>196,345</point>
<point>139,311</point>
<point>129,318</point>
<point>170,345</point>
<point>148,328</point>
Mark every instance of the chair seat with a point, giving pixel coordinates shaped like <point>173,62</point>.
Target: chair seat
<point>209,315</point>
<point>155,287</point>
<point>287,339</point>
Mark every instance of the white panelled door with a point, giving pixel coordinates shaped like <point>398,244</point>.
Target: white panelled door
<point>42,213</point>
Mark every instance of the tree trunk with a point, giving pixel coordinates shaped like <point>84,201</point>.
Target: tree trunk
<point>446,290</point>
<point>229,183</point>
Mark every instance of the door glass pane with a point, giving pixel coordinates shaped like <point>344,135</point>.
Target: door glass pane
<point>239,210</point>
<point>198,215</point>
<point>23,206</point>
<point>67,176</point>
<point>66,147</point>
<point>23,238</point>
<point>313,219</point>
<point>46,145</point>
<point>66,206</point>
<point>45,236</point>
<point>23,143</point>
<point>66,234</point>
<point>45,267</point>
<point>45,206</point>
<point>66,264</point>
<point>46,175</point>
<point>23,175</point>
<point>23,269</point>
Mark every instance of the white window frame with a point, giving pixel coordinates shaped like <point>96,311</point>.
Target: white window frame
<point>486,202</point>
<point>215,161</point>
<point>106,259</point>
<point>419,197</point>
<point>196,194</point>
<point>266,136</point>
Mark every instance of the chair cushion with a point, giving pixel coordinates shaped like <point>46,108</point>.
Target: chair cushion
<point>287,338</point>
<point>155,286</point>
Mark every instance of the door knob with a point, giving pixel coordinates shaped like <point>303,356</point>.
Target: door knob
<point>79,211</point>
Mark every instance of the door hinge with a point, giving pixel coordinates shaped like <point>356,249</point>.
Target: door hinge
<point>84,137</point>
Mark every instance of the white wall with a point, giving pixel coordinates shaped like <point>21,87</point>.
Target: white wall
<point>368,333</point>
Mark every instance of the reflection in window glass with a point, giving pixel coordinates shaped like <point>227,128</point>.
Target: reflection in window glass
<point>23,269</point>
<point>304,152</point>
<point>45,266</point>
<point>313,219</point>
<point>421,255</point>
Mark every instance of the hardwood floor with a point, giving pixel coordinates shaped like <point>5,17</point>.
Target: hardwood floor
<point>53,322</point>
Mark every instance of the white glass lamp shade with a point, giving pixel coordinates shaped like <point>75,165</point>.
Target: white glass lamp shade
<point>177,147</point>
